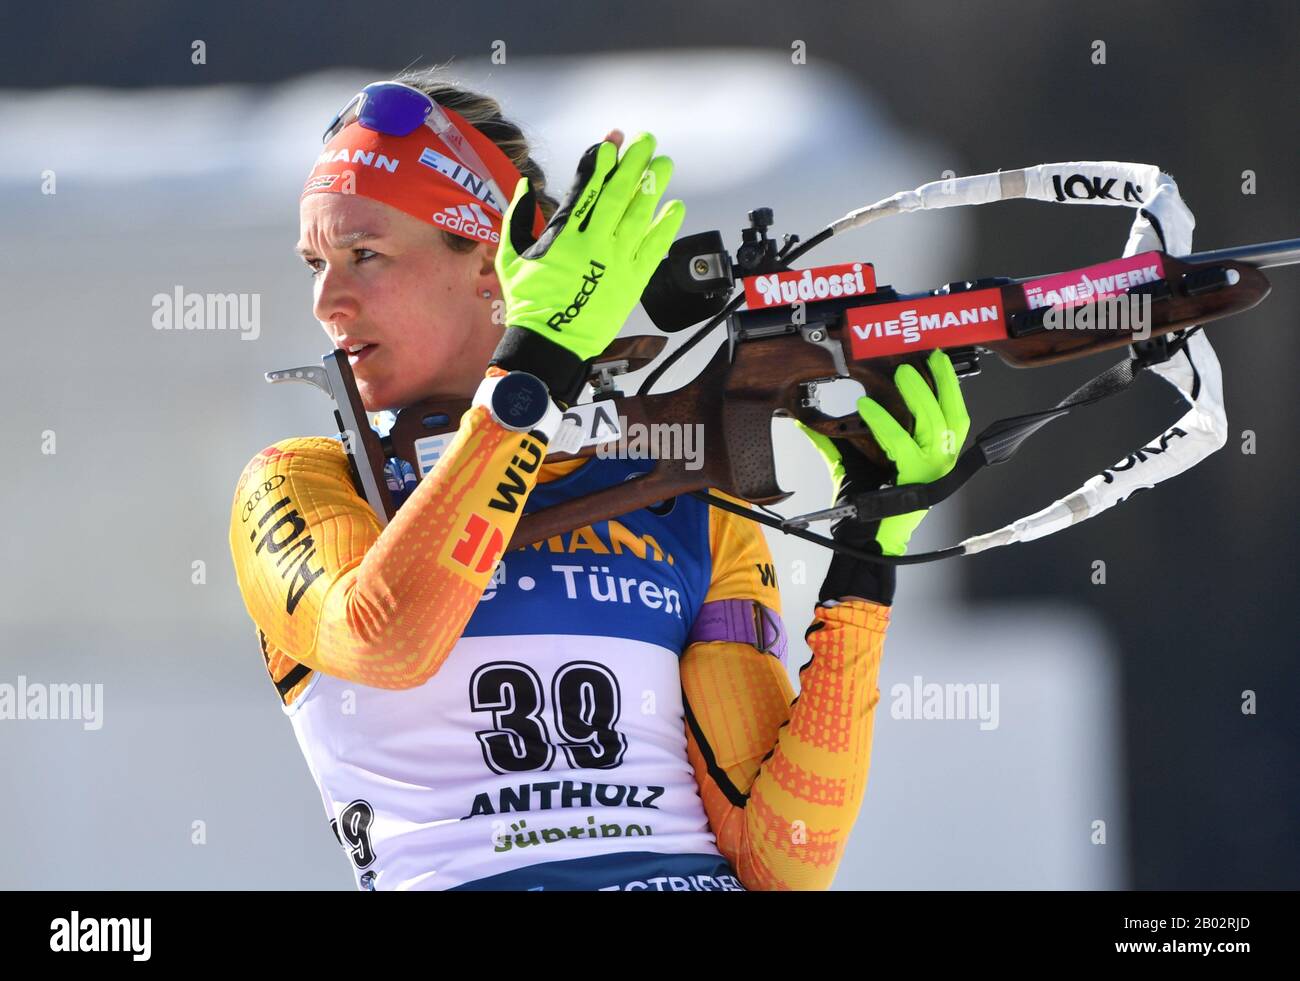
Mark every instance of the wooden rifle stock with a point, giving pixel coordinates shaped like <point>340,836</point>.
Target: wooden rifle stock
<point>762,372</point>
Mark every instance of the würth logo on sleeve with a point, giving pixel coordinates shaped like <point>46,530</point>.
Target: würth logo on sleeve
<point>480,544</point>
<point>783,288</point>
<point>512,489</point>
<point>926,323</point>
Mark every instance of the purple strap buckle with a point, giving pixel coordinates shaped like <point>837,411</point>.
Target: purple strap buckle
<point>744,621</point>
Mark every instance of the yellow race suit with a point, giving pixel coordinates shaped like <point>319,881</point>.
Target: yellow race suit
<point>609,709</point>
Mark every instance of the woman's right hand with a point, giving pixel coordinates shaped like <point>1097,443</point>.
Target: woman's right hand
<point>574,287</point>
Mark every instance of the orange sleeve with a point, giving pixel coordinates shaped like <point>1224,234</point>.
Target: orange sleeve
<point>782,778</point>
<point>332,591</point>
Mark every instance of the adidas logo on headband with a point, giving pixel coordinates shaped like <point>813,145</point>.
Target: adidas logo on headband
<point>467,219</point>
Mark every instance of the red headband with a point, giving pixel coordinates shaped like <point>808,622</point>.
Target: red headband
<point>420,175</point>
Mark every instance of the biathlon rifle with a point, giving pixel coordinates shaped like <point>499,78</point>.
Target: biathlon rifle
<point>789,330</point>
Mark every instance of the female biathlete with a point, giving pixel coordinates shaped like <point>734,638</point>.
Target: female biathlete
<point>608,709</point>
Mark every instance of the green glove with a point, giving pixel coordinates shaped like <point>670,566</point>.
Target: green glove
<point>577,284</point>
<point>942,425</point>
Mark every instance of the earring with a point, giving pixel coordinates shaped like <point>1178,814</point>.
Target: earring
<point>487,294</point>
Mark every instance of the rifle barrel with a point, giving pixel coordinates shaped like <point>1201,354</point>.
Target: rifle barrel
<point>1264,255</point>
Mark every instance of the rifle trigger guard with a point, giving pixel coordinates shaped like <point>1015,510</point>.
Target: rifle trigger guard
<point>819,336</point>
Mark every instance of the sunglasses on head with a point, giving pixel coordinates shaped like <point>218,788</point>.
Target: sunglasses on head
<point>397,109</point>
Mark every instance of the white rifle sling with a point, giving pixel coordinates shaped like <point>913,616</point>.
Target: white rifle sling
<point>1194,371</point>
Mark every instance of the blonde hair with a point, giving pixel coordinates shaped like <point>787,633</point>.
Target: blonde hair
<point>483,113</point>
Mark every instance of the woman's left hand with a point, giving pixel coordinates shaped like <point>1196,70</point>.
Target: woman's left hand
<point>942,425</point>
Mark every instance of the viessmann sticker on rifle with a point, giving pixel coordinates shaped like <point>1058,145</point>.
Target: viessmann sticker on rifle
<point>925,323</point>
<point>1099,282</point>
<point>818,283</point>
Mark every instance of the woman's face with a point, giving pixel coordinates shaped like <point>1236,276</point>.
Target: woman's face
<point>388,281</point>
